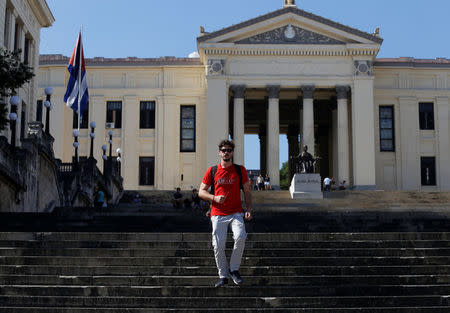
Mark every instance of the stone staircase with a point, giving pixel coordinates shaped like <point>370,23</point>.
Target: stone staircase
<point>384,272</point>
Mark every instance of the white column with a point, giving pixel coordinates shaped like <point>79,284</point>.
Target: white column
<point>238,125</point>
<point>273,134</point>
<point>130,141</point>
<point>443,160</point>
<point>342,128</point>
<point>308,117</point>
<point>217,126</point>
<point>363,133</point>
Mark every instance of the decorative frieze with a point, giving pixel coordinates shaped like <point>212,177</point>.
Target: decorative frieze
<point>363,68</point>
<point>215,67</point>
<point>290,34</point>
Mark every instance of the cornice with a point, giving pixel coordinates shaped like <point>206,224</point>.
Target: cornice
<point>42,12</point>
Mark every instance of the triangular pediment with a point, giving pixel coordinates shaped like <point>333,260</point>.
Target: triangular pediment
<point>290,34</point>
<point>289,25</point>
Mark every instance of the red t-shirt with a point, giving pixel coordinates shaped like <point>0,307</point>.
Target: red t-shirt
<point>226,183</point>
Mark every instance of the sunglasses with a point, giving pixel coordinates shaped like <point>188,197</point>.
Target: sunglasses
<point>226,150</point>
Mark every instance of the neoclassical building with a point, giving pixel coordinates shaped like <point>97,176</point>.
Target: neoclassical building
<point>375,123</point>
<point>20,27</point>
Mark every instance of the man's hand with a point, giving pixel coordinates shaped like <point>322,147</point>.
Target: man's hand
<point>219,198</point>
<point>248,215</point>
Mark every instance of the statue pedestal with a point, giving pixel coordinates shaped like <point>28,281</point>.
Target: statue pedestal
<point>306,186</point>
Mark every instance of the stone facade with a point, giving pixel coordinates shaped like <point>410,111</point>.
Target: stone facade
<point>287,72</point>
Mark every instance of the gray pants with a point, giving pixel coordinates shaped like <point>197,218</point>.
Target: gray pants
<point>219,238</point>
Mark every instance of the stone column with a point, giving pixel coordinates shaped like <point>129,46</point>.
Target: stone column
<point>238,125</point>
<point>273,133</point>
<point>342,128</point>
<point>292,137</point>
<point>308,117</point>
<point>217,125</point>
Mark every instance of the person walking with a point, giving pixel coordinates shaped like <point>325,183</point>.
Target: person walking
<point>99,199</point>
<point>226,179</point>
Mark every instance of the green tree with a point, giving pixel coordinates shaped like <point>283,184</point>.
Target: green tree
<point>13,75</point>
<point>284,176</point>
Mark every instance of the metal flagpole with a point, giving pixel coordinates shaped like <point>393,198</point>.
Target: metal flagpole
<point>80,46</point>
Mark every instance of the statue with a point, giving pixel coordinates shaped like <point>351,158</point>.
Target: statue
<point>289,3</point>
<point>305,162</point>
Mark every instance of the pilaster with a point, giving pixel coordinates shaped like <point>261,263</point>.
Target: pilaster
<point>129,140</point>
<point>443,144</point>
<point>342,128</point>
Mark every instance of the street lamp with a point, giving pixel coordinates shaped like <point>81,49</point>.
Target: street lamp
<point>48,105</point>
<point>92,135</point>
<point>76,134</point>
<point>119,158</point>
<point>104,157</point>
<point>110,133</point>
<point>14,101</point>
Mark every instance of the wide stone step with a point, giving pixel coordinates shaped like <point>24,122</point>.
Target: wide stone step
<point>233,310</point>
<point>207,244</point>
<point>212,270</point>
<point>207,252</point>
<point>193,237</point>
<point>235,302</point>
<point>322,280</point>
<point>209,261</point>
<point>231,291</point>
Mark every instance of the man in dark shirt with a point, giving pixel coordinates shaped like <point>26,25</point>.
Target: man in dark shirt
<point>177,199</point>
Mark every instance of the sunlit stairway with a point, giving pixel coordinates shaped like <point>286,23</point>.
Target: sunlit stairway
<point>382,272</point>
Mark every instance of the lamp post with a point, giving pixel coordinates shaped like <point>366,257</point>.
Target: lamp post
<point>119,159</point>
<point>104,157</point>
<point>14,101</point>
<point>76,134</point>
<point>110,133</point>
<point>48,105</point>
<point>92,135</point>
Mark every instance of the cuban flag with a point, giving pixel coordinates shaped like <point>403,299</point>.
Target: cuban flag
<point>77,70</point>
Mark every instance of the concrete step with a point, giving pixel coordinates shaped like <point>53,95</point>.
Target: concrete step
<point>206,237</point>
<point>202,261</point>
<point>111,244</point>
<point>33,309</point>
<point>322,280</point>
<point>234,302</point>
<point>212,270</point>
<point>207,252</point>
<point>355,290</point>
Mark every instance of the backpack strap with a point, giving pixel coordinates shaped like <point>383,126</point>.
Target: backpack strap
<point>213,173</point>
<point>238,170</point>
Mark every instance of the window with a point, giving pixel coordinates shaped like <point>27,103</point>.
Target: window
<point>426,115</point>
<point>187,128</point>
<point>26,51</point>
<point>428,171</point>
<point>147,114</point>
<point>84,118</point>
<point>387,142</point>
<point>16,37</point>
<point>146,171</point>
<point>114,113</point>
<point>39,111</point>
<point>6,29</point>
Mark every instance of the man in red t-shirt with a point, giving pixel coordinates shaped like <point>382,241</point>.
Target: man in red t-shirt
<point>226,210</point>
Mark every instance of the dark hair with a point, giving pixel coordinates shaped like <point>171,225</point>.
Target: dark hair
<point>226,143</point>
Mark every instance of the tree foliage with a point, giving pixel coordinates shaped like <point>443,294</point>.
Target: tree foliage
<point>13,75</point>
<point>284,176</point>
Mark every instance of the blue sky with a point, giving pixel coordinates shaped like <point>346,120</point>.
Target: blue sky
<point>150,28</point>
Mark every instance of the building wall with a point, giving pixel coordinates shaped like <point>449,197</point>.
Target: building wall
<point>30,16</point>
<point>404,88</point>
<point>169,86</point>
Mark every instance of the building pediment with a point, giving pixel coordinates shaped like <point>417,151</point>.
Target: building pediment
<point>289,26</point>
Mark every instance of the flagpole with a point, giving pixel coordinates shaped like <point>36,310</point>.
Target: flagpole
<point>79,78</point>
